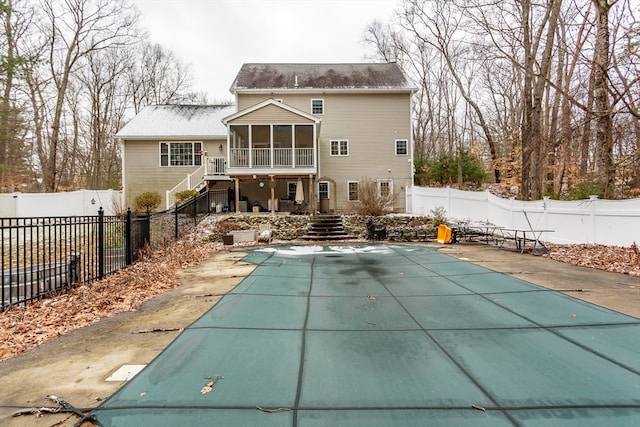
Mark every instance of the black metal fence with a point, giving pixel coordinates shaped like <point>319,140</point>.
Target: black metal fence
<point>44,255</point>
<point>175,223</point>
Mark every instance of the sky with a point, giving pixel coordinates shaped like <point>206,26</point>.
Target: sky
<point>215,37</point>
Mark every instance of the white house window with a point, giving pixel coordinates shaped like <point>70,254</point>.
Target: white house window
<point>339,148</point>
<point>180,153</point>
<point>323,190</point>
<point>317,106</point>
<point>402,147</point>
<point>353,190</point>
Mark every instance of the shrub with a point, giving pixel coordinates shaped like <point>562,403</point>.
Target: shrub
<point>371,201</point>
<point>183,196</point>
<point>438,215</point>
<point>420,172</point>
<point>582,190</point>
<point>445,169</point>
<point>147,201</point>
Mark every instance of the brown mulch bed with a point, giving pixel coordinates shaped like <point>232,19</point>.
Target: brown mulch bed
<point>24,328</point>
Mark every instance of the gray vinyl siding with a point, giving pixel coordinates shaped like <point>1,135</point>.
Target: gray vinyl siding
<point>371,122</point>
<point>142,169</point>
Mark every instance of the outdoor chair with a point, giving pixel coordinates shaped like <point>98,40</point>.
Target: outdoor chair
<point>376,232</point>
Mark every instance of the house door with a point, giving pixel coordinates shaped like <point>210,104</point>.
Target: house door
<point>323,195</point>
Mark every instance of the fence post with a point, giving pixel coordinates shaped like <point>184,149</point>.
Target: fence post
<point>195,209</point>
<point>593,231</point>
<point>128,237</point>
<point>146,233</point>
<point>176,222</point>
<point>100,243</point>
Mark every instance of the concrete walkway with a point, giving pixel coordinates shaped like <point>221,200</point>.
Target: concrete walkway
<point>615,291</point>
<point>75,367</point>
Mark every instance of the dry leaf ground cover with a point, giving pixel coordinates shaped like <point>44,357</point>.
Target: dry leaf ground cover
<point>23,328</point>
<point>615,259</point>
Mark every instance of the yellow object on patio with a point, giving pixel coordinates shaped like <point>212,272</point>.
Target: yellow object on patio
<point>444,234</point>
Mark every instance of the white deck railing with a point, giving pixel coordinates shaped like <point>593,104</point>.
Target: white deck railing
<point>261,157</point>
<point>266,158</point>
<point>216,166</point>
<point>304,157</point>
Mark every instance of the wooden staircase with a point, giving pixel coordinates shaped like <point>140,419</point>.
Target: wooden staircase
<point>327,227</point>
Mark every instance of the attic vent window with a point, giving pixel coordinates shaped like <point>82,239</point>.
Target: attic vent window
<point>317,106</point>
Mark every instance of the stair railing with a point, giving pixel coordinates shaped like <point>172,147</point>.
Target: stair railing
<point>191,182</point>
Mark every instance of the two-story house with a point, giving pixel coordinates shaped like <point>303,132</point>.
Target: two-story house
<point>301,136</point>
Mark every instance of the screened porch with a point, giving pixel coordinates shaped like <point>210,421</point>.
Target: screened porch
<point>273,146</point>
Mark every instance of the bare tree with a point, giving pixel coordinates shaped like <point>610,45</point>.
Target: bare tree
<point>536,78</point>
<point>549,92</point>
<point>564,153</point>
<point>439,27</point>
<point>624,84</point>
<point>103,83</point>
<point>74,29</point>
<point>83,67</point>
<point>156,76</point>
<point>418,61</point>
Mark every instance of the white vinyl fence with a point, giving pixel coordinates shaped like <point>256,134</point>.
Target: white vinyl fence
<point>72,203</point>
<point>608,222</point>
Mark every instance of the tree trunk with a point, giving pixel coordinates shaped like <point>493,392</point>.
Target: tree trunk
<point>527,105</point>
<point>534,146</point>
<point>566,131</point>
<point>605,165</point>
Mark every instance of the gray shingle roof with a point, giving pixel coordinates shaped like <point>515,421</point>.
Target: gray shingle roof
<point>183,121</point>
<point>321,76</point>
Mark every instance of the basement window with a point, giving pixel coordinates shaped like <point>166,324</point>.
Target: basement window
<point>385,187</point>
<point>353,191</point>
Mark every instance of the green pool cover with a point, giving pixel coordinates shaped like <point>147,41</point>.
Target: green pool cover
<point>388,335</point>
